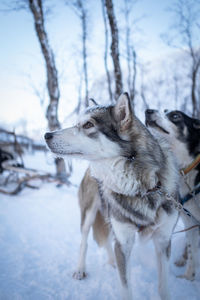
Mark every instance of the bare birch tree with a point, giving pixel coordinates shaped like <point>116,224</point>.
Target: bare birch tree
<point>186,30</point>
<point>83,17</point>
<point>114,47</point>
<point>80,9</point>
<point>143,89</point>
<point>130,52</point>
<point>106,51</point>
<point>36,8</point>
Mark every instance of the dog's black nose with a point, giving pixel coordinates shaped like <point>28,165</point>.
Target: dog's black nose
<point>48,136</point>
<point>149,111</point>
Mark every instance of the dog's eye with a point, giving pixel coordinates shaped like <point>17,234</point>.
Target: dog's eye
<point>88,125</point>
<point>176,117</point>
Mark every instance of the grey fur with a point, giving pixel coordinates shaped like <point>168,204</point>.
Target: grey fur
<point>121,261</point>
<point>168,250</point>
<point>128,164</point>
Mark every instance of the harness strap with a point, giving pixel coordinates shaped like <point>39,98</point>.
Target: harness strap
<point>186,229</point>
<point>184,172</point>
<point>191,166</point>
<point>190,195</point>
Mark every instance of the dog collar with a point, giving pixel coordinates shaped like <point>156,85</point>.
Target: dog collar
<point>191,166</point>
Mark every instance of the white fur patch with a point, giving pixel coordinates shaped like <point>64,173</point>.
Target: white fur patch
<point>123,231</point>
<point>114,175</point>
<point>73,141</point>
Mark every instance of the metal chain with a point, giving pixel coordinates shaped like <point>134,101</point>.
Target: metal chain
<point>188,185</point>
<point>177,205</point>
<point>174,201</point>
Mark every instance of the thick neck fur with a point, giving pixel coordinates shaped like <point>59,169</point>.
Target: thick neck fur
<point>117,174</point>
<point>182,154</point>
<point>121,174</point>
<point>141,173</point>
<point>133,177</point>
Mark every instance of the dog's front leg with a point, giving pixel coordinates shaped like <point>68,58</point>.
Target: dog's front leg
<point>85,229</point>
<point>124,234</point>
<point>192,249</point>
<point>163,249</point>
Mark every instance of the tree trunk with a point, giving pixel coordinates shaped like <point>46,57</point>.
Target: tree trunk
<point>195,69</point>
<point>193,96</point>
<point>133,77</point>
<point>52,77</point>
<point>130,52</point>
<point>84,38</point>
<point>114,48</point>
<point>128,48</point>
<point>106,52</point>
<point>81,11</point>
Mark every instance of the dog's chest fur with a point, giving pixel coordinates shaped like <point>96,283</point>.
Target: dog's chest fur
<point>122,186</point>
<point>114,175</point>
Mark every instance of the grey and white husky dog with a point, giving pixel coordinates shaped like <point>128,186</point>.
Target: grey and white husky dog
<point>183,135</point>
<point>130,168</point>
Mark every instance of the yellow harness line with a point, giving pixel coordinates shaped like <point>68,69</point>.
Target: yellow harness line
<point>191,166</point>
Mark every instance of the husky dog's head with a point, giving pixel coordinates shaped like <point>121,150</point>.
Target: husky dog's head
<point>182,132</point>
<point>102,132</point>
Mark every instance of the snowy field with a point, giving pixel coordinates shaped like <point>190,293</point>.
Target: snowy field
<point>39,243</point>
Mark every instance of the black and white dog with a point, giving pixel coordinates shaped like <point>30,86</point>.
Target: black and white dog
<point>183,134</point>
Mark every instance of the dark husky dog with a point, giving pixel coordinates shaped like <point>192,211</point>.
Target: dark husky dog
<point>135,172</point>
<point>183,134</point>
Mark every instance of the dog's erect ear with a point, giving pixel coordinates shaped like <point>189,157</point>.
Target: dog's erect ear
<point>123,111</point>
<point>92,102</point>
<point>196,124</point>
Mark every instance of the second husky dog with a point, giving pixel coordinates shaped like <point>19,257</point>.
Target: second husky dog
<point>183,135</point>
<point>135,173</point>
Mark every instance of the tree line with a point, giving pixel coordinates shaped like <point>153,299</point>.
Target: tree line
<point>183,80</point>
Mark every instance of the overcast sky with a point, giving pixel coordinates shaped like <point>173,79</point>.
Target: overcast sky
<point>22,66</point>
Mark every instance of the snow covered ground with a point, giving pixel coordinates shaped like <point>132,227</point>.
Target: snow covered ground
<point>39,243</point>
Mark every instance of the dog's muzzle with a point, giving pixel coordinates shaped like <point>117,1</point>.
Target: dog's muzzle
<point>149,116</point>
<point>150,111</point>
<point>151,120</point>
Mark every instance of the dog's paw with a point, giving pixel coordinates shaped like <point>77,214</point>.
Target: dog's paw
<point>79,275</point>
<point>190,277</point>
<point>180,262</point>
